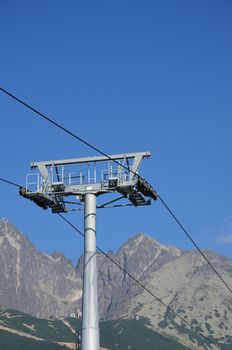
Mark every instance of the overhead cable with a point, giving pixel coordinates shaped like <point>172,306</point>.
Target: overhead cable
<point>132,277</point>
<point>9,182</point>
<point>144,287</point>
<point>50,120</point>
<point>194,243</point>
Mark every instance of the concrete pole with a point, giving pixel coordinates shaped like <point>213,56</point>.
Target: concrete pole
<point>90,322</point>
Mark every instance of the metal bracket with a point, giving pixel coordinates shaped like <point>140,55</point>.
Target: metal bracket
<point>57,179</point>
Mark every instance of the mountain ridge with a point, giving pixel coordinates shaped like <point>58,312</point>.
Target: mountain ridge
<point>32,277</point>
<point>45,285</point>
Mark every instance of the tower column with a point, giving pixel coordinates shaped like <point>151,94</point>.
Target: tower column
<point>90,322</point>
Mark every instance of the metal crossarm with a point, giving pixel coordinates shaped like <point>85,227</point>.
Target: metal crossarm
<point>138,155</point>
<point>57,179</point>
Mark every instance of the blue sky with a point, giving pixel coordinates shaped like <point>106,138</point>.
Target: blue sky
<point>126,76</point>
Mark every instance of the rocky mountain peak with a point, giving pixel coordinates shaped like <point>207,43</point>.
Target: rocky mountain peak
<point>141,241</point>
<point>139,256</point>
<point>137,240</point>
<point>60,257</point>
<point>11,237</point>
<point>32,281</point>
<point>42,284</point>
<point>6,227</point>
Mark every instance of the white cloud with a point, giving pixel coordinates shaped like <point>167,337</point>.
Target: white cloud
<point>224,239</point>
<point>224,231</point>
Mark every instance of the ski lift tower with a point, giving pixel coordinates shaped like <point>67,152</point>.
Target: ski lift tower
<point>85,179</point>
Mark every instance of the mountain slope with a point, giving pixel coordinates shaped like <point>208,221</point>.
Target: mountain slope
<point>190,287</point>
<point>9,341</point>
<point>22,330</point>
<point>139,256</point>
<point>32,281</point>
<point>43,285</point>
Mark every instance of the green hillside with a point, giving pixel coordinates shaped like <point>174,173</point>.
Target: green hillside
<point>54,330</point>
<point>134,333</point>
<point>9,341</point>
<point>117,334</point>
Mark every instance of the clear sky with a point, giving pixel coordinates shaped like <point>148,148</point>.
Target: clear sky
<point>126,76</point>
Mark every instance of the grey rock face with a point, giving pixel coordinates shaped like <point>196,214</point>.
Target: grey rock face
<point>34,282</point>
<point>43,285</point>
<point>139,256</point>
<point>190,288</point>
